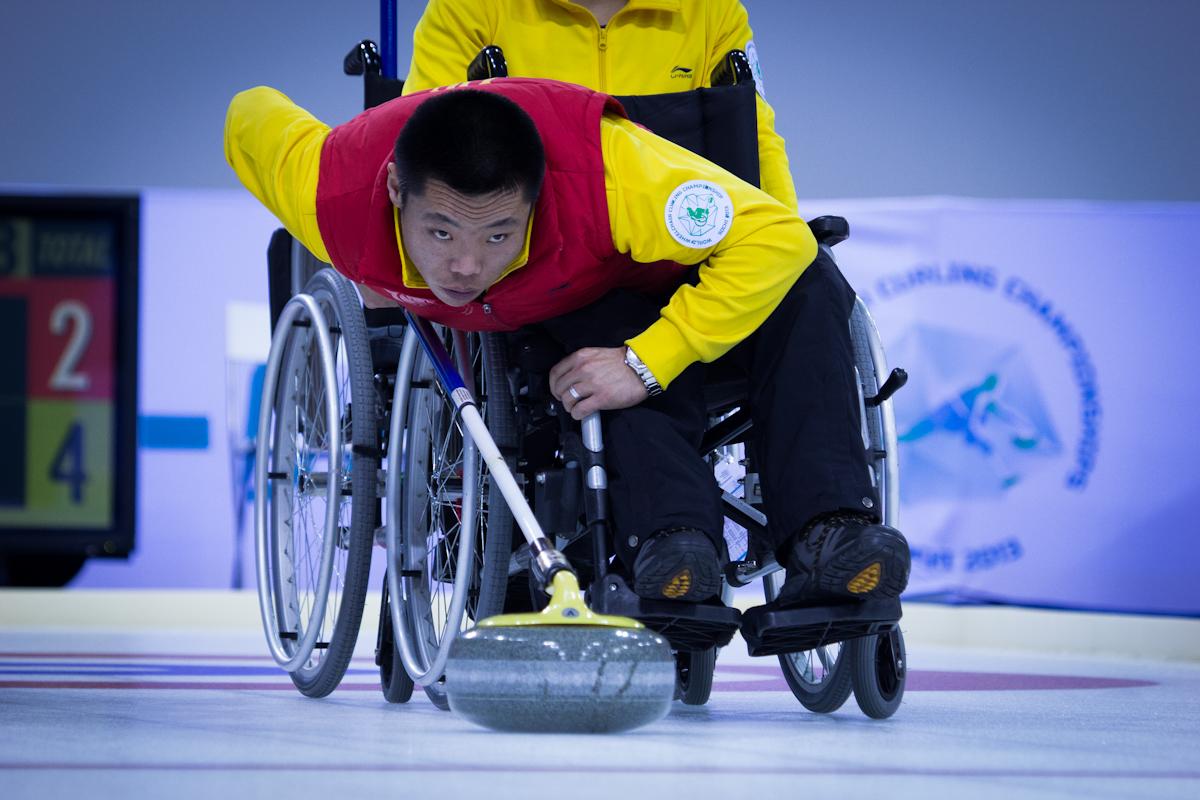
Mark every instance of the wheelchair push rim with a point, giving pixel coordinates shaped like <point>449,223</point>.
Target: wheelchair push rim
<point>285,610</point>
<point>434,495</point>
<point>879,422</point>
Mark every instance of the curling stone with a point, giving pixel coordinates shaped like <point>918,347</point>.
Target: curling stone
<point>564,670</point>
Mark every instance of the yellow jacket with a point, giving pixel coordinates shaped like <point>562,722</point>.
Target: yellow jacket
<point>274,146</point>
<point>648,47</point>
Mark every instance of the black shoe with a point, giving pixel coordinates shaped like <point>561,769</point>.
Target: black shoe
<point>844,557</point>
<point>677,564</point>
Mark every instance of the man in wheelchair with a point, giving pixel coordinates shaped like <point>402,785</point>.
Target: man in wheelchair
<point>503,205</point>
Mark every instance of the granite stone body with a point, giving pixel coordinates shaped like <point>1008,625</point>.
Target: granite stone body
<point>560,678</point>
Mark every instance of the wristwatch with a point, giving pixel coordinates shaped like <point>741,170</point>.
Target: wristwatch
<point>643,372</point>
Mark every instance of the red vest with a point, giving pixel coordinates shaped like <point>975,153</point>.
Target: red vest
<point>572,262</point>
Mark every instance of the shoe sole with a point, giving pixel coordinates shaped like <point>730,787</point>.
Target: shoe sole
<point>686,576</point>
<point>874,565</point>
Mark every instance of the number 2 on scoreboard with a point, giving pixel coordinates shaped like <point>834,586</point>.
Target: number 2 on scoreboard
<point>73,315</point>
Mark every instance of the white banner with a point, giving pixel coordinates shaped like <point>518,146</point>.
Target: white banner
<point>1047,437</point>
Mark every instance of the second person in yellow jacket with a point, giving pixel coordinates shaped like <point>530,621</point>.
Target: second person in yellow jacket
<point>641,47</point>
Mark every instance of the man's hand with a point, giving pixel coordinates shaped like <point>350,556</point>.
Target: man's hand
<point>601,379</point>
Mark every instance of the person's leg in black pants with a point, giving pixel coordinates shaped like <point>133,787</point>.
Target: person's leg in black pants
<point>808,436</point>
<point>802,395</point>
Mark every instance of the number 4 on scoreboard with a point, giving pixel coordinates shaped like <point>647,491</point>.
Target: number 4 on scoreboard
<point>67,466</point>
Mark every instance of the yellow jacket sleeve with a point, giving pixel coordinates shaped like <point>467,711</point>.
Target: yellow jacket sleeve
<point>743,276</point>
<point>274,146</point>
<point>731,26</point>
<point>448,36</point>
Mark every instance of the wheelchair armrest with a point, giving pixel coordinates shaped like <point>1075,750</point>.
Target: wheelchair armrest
<point>830,230</point>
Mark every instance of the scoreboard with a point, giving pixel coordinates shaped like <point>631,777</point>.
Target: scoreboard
<point>68,373</point>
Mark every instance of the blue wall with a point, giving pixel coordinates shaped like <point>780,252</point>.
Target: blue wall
<point>1092,99</point>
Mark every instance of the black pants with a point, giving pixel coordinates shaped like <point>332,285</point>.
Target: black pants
<point>798,376</point>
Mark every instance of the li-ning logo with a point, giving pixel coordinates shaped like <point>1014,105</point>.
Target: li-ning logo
<point>681,72</point>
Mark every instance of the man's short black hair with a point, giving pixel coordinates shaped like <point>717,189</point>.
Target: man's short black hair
<point>476,142</point>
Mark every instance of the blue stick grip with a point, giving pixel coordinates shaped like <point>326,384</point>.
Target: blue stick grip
<point>443,364</point>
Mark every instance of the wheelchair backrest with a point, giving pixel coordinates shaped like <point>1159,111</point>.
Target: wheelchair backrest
<point>719,123</point>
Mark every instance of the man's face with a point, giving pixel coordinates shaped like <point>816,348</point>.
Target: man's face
<point>461,243</point>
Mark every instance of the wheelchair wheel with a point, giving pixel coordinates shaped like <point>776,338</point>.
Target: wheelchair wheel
<point>694,675</point>
<point>820,679</point>
<point>879,665</point>
<point>394,680</point>
<point>315,485</point>
<point>453,527</point>
<point>880,672</point>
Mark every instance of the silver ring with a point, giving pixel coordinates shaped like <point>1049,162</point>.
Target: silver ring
<point>574,393</point>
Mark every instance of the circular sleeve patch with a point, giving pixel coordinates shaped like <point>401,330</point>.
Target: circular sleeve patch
<point>756,69</point>
<point>698,214</point>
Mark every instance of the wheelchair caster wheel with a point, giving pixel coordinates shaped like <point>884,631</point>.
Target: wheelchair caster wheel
<point>397,686</point>
<point>880,672</point>
<point>694,675</point>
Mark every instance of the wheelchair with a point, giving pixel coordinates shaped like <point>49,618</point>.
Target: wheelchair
<point>361,443</point>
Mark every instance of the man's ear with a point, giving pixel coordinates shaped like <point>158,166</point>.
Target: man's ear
<point>393,183</point>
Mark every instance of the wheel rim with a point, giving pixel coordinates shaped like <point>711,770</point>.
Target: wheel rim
<point>814,668</point>
<point>811,668</point>
<point>889,665</point>
<point>437,472</point>
<point>293,447</point>
<point>443,493</point>
<point>311,471</point>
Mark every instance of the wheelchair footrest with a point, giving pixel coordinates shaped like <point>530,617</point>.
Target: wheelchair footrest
<point>770,631</point>
<point>685,626</point>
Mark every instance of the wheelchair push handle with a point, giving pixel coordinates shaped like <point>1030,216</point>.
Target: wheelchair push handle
<point>489,63</point>
<point>893,384</point>
<point>733,69</point>
<point>363,59</point>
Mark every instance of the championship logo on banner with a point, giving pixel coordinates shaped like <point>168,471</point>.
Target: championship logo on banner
<point>1041,340</point>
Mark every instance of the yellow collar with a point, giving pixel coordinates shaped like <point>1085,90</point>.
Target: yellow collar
<point>656,5</point>
<point>412,278</point>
